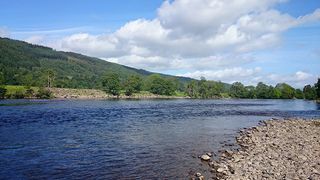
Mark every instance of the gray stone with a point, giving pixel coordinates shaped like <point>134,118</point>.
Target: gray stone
<point>205,157</point>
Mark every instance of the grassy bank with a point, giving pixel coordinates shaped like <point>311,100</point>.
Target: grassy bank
<point>16,89</point>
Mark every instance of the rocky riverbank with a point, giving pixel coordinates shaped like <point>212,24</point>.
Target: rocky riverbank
<point>65,93</point>
<point>277,149</point>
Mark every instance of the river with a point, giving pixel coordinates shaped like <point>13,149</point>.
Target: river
<point>125,139</point>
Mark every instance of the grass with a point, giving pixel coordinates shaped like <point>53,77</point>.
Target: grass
<point>11,89</point>
<point>180,94</point>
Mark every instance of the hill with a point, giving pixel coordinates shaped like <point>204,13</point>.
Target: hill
<point>22,63</point>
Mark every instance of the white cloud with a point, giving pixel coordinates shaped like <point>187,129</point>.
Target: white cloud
<point>206,17</point>
<point>36,39</point>
<point>189,29</point>
<point>298,79</point>
<point>229,75</point>
<point>252,76</point>
<point>159,63</point>
<point>4,32</point>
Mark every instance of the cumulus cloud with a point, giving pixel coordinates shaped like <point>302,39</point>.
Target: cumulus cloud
<point>252,76</point>
<point>227,75</point>
<point>298,79</point>
<point>176,63</point>
<point>191,29</point>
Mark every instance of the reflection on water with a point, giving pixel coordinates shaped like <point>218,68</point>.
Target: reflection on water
<point>125,139</point>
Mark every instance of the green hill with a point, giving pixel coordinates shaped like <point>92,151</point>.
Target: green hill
<point>22,63</point>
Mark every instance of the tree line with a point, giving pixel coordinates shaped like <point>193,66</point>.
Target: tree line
<point>113,83</point>
<point>205,89</point>
<point>211,89</point>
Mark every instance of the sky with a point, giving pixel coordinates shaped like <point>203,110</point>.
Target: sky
<point>228,40</point>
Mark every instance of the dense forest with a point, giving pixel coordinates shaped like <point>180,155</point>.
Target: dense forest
<point>30,65</point>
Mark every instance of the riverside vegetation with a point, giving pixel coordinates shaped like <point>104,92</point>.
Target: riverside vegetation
<point>25,67</point>
<point>156,86</point>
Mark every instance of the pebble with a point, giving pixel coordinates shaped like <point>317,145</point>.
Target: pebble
<point>198,174</point>
<point>276,149</point>
<point>205,157</point>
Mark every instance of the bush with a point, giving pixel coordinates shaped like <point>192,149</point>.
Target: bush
<point>29,93</point>
<point>44,94</point>
<point>16,95</point>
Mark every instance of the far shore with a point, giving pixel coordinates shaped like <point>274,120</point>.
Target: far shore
<point>276,149</point>
<point>64,93</point>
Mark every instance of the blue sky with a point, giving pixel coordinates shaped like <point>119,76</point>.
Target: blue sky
<point>263,40</point>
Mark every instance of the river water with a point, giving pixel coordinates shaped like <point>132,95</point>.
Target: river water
<point>123,139</point>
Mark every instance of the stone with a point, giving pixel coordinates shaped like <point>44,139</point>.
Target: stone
<point>198,174</point>
<point>209,154</point>
<point>236,159</point>
<point>221,170</point>
<point>205,157</point>
<point>277,149</point>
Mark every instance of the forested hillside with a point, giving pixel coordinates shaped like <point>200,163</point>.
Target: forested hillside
<point>31,65</point>
<point>22,63</point>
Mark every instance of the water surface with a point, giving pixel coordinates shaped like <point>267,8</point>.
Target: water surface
<point>144,139</point>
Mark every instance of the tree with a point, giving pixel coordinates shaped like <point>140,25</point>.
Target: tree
<point>27,80</point>
<point>215,89</point>
<point>50,77</point>
<point>44,93</point>
<point>298,94</point>
<point>276,93</point>
<point>264,91</point>
<point>203,88</point>
<point>309,92</point>
<point>251,92</point>
<point>132,85</point>
<point>111,84</point>
<point>238,90</point>
<point>287,92</point>
<point>317,87</point>
<point>192,89</point>
<point>161,86</point>
<point>3,92</point>
<point>2,79</point>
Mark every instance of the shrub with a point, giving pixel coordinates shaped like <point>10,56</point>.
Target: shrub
<point>29,93</point>
<point>16,95</point>
<point>44,94</point>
